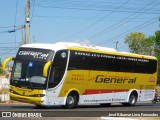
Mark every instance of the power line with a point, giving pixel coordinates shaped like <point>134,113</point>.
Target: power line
<point>82,1</point>
<point>86,18</point>
<point>100,19</point>
<point>119,23</point>
<point>16,28</point>
<point>6,53</point>
<point>102,10</point>
<point>135,28</point>
<point>7,43</point>
<point>6,26</point>
<point>85,5</point>
<point>139,11</point>
<point>92,3</point>
<point>142,12</point>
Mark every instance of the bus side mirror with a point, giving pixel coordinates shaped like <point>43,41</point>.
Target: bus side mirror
<point>46,67</point>
<point>6,62</point>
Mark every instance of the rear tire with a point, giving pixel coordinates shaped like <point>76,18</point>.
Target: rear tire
<point>71,101</point>
<point>132,100</point>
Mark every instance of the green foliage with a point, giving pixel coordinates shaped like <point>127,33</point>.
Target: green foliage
<point>157,42</point>
<point>148,46</point>
<point>140,44</point>
<point>158,57</point>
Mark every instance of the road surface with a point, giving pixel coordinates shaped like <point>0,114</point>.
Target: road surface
<point>28,111</point>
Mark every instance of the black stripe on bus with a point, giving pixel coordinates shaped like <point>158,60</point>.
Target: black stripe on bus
<point>106,62</point>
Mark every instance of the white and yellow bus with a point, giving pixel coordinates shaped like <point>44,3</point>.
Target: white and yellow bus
<point>72,74</point>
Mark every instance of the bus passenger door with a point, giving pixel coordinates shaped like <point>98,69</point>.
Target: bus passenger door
<point>57,77</point>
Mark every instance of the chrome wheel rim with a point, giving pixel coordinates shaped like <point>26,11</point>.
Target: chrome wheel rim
<point>70,100</point>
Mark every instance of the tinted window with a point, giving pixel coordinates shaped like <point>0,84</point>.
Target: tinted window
<point>58,68</point>
<point>106,62</point>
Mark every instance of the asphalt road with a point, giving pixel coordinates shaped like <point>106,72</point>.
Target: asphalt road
<point>25,111</point>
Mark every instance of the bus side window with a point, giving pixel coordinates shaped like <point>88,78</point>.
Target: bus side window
<point>58,68</point>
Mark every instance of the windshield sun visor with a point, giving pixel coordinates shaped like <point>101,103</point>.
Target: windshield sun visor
<point>46,67</point>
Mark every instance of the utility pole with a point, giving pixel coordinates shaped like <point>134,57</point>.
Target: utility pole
<point>116,45</point>
<point>27,21</point>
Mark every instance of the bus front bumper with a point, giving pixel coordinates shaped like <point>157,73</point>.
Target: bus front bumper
<point>26,99</point>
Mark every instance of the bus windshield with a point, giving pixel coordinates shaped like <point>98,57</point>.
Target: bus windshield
<point>28,74</point>
<point>28,68</point>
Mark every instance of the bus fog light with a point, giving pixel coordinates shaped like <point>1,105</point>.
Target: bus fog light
<point>40,95</point>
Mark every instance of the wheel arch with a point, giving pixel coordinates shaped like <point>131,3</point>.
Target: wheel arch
<point>135,92</point>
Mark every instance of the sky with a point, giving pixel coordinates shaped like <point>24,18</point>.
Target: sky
<point>95,22</point>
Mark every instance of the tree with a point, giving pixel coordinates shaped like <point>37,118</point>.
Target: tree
<point>158,58</point>
<point>135,42</point>
<point>140,44</point>
<point>157,42</point>
<point>157,51</point>
<point>148,46</point>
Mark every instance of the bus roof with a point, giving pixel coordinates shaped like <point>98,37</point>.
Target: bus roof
<point>67,45</point>
<point>83,47</point>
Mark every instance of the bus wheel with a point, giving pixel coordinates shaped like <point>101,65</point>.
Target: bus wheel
<point>132,100</point>
<point>71,101</point>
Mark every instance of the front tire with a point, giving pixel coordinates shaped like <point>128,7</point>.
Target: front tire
<point>71,101</point>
